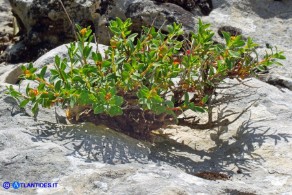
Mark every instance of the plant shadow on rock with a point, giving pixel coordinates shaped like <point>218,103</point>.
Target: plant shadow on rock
<point>98,143</point>
<point>217,159</point>
<point>94,143</point>
<point>236,153</point>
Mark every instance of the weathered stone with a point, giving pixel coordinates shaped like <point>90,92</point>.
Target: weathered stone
<point>48,22</point>
<point>206,6</point>
<point>150,13</point>
<point>44,25</point>
<point>280,81</point>
<point>6,25</point>
<point>232,30</point>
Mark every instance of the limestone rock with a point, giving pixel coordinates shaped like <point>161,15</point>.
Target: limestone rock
<point>148,13</point>
<point>45,25</point>
<point>6,25</point>
<point>47,22</point>
<point>280,81</point>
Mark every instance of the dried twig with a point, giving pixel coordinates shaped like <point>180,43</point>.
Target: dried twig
<point>73,26</point>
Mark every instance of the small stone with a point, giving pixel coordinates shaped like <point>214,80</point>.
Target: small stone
<point>101,185</point>
<point>239,171</point>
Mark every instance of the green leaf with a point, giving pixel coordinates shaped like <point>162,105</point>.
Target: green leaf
<point>238,42</point>
<point>96,56</point>
<point>106,64</point>
<point>98,109</point>
<point>57,60</point>
<point>58,85</point>
<point>187,98</point>
<point>12,92</point>
<point>24,103</point>
<point>234,54</point>
<point>115,110</point>
<point>149,105</point>
<point>41,86</point>
<point>279,56</point>
<point>205,99</point>
<point>30,66</point>
<point>226,36</point>
<point>33,70</point>
<point>78,78</point>
<point>178,45</point>
<point>132,37</point>
<point>120,60</point>
<point>35,108</point>
<point>127,67</point>
<point>54,72</point>
<point>113,91</point>
<point>159,109</point>
<point>119,21</point>
<point>170,28</point>
<point>27,89</point>
<point>196,108</point>
<point>157,99</point>
<point>115,30</point>
<point>84,97</point>
<point>169,104</point>
<point>78,27</point>
<point>86,52</point>
<point>250,44</point>
<point>63,65</point>
<point>229,64</point>
<point>23,68</point>
<point>143,92</point>
<point>278,63</point>
<point>43,72</point>
<point>131,45</point>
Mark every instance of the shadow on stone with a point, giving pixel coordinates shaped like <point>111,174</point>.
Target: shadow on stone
<point>236,152</point>
<point>232,153</point>
<point>95,143</point>
<point>98,143</point>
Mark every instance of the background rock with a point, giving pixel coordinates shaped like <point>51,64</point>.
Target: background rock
<point>6,25</point>
<point>46,25</point>
<point>149,13</point>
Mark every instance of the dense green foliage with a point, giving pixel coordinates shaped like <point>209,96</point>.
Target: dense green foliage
<point>154,70</point>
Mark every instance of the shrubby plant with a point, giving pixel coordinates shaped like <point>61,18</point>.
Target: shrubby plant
<point>145,79</point>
